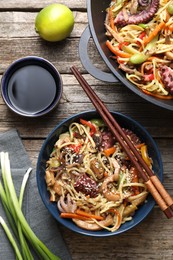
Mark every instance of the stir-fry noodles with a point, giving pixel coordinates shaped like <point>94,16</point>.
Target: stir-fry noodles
<point>91,179</point>
<point>140,36</point>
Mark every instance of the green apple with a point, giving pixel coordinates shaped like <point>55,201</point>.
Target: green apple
<point>54,23</point>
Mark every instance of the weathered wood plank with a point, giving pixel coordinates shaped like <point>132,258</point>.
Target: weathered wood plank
<point>153,238</point>
<point>143,242</point>
<point>39,4</point>
<point>22,24</point>
<point>62,54</point>
<point>74,100</point>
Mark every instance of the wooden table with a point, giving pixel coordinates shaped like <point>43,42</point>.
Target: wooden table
<point>153,238</point>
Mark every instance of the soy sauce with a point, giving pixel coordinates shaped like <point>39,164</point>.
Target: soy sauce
<point>31,89</point>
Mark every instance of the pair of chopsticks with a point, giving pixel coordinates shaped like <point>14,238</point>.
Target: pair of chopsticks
<point>155,187</point>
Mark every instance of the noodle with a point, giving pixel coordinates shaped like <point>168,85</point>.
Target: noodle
<point>135,44</point>
<point>82,175</point>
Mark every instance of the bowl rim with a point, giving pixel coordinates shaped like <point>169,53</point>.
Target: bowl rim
<point>66,222</point>
<point>9,72</point>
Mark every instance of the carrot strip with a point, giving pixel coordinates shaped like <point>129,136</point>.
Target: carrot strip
<point>111,20</point>
<point>116,51</point>
<point>109,151</point>
<point>72,215</point>
<point>88,215</point>
<point>171,27</point>
<point>156,95</point>
<point>158,28</point>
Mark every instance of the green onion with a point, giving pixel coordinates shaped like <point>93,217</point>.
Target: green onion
<point>24,182</point>
<point>11,215</point>
<point>24,246</point>
<point>12,219</point>
<point>12,206</point>
<point>143,25</point>
<point>8,213</point>
<point>11,238</point>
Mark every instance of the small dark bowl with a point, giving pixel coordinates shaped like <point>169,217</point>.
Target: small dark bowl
<point>47,148</point>
<point>31,86</point>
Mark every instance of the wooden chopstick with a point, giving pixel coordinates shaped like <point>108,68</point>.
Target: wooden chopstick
<point>152,182</point>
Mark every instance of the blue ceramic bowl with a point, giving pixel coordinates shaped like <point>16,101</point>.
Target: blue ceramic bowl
<point>47,147</point>
<point>31,86</point>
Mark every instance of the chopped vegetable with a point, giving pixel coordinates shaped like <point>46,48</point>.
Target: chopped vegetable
<point>75,147</point>
<point>117,51</point>
<point>157,29</point>
<point>12,206</point>
<point>138,58</point>
<point>145,155</point>
<point>98,122</point>
<point>148,77</point>
<point>88,123</point>
<point>79,214</point>
<point>109,151</point>
<point>151,44</point>
<point>141,37</point>
<point>138,146</point>
<point>71,215</point>
<point>171,27</point>
<point>129,49</point>
<point>121,44</point>
<point>170,9</point>
<point>88,215</point>
<point>143,25</point>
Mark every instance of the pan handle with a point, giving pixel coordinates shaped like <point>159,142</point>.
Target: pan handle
<point>83,54</point>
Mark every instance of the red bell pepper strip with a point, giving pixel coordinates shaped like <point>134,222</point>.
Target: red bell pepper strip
<point>148,77</point>
<point>141,37</point>
<point>75,147</point>
<point>88,123</point>
<point>121,44</point>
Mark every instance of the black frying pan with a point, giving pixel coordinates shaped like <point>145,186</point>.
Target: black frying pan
<point>96,17</point>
